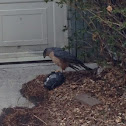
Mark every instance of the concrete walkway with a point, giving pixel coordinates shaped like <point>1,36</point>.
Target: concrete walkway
<point>13,76</point>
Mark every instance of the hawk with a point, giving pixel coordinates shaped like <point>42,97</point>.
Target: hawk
<point>63,58</point>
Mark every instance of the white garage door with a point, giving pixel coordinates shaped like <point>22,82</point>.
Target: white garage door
<point>27,27</point>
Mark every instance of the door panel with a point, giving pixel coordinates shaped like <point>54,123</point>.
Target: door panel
<point>19,1</point>
<point>27,28</point>
<point>23,27</point>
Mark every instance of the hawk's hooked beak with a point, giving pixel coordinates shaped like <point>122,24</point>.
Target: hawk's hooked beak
<point>44,53</point>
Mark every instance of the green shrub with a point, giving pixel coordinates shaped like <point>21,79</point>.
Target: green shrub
<point>106,25</point>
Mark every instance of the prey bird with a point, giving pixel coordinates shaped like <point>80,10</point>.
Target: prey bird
<point>63,59</point>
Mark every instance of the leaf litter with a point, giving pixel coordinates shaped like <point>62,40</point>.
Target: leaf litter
<point>59,107</point>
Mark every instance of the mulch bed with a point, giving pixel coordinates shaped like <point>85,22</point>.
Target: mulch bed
<point>60,108</point>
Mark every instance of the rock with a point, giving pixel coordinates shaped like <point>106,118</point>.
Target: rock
<point>87,99</point>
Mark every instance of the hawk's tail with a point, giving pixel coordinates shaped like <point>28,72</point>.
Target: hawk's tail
<point>73,67</point>
<point>87,68</point>
<point>82,65</point>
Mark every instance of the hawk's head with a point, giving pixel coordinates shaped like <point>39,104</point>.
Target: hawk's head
<point>47,51</point>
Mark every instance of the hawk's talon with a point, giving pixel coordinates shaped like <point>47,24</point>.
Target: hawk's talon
<point>57,71</point>
<point>53,71</point>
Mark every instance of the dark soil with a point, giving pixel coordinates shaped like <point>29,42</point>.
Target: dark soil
<point>60,108</point>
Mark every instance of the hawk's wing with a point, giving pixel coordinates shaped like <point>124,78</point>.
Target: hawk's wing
<point>64,55</point>
<point>72,60</point>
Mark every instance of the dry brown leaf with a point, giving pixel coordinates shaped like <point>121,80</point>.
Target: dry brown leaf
<point>61,108</point>
<point>109,8</point>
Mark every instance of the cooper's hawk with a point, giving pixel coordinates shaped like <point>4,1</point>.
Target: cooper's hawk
<point>63,59</point>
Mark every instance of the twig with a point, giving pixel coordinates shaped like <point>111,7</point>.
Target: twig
<point>25,124</point>
<point>40,119</point>
<point>79,80</point>
<point>106,22</point>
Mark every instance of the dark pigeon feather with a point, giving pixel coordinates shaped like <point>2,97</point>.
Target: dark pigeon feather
<point>54,80</point>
